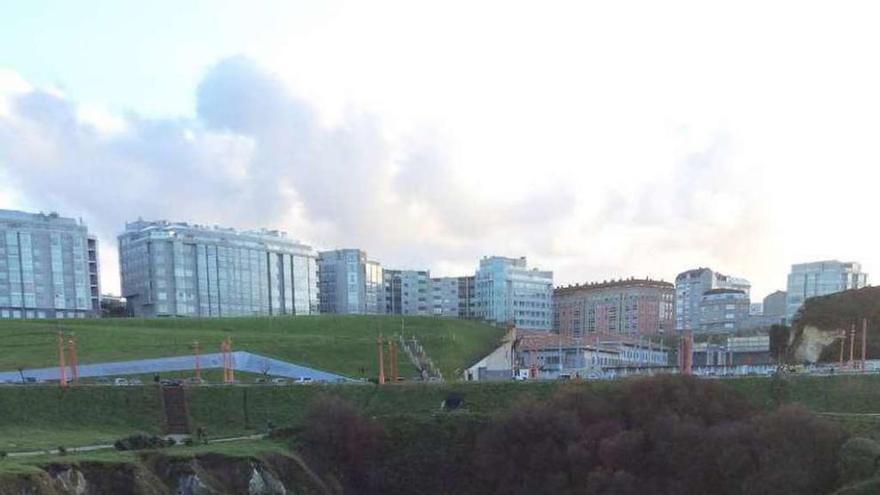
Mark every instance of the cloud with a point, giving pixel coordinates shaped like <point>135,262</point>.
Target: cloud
<point>256,155</point>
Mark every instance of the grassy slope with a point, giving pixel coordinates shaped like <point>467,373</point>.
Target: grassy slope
<point>40,417</point>
<point>342,344</point>
<point>46,417</point>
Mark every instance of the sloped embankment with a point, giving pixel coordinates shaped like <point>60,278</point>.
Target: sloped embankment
<point>821,320</point>
<point>158,474</point>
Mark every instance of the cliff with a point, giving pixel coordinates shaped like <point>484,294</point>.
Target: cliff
<point>158,474</point>
<point>819,323</point>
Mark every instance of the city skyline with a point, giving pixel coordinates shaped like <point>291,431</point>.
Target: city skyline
<point>654,155</point>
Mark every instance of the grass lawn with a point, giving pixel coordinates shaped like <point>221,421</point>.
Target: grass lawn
<point>41,417</point>
<point>340,344</point>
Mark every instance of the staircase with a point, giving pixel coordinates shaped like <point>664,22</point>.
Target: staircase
<point>420,359</point>
<point>176,415</point>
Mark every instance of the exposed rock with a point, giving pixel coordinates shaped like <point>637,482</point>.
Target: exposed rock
<point>811,342</point>
<point>158,474</point>
<point>72,481</point>
<point>263,483</point>
<point>191,484</point>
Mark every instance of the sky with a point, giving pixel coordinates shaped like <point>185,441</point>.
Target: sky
<point>599,139</point>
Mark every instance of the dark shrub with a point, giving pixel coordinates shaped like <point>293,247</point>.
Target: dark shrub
<point>799,453</point>
<point>342,445</point>
<point>642,400</point>
<point>859,459</point>
<point>141,441</point>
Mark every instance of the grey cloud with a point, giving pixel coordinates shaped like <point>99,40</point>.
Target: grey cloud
<point>253,155</point>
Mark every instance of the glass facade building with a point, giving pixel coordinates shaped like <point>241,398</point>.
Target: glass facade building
<point>408,292</point>
<point>453,297</point>
<point>349,283</point>
<point>48,267</point>
<point>820,278</point>
<point>507,291</point>
<point>178,269</point>
<point>723,310</point>
<point>689,289</point>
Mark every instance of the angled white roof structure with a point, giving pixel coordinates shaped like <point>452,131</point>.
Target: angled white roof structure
<point>242,361</point>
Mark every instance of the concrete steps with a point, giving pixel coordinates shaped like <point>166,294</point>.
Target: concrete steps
<point>176,414</point>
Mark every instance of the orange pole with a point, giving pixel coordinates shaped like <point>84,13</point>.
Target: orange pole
<point>687,347</point>
<point>231,359</point>
<point>62,376</point>
<point>198,361</point>
<point>852,343</point>
<point>392,353</point>
<point>225,361</point>
<point>74,373</point>
<point>864,342</point>
<point>381,361</point>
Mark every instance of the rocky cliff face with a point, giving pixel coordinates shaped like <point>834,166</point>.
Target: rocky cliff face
<point>811,342</point>
<point>822,319</point>
<point>157,474</point>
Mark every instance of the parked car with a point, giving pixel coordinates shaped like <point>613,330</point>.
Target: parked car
<point>280,381</point>
<point>135,381</point>
<point>195,381</point>
<point>120,382</point>
<point>304,380</point>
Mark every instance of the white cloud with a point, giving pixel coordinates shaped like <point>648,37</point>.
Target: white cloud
<point>255,156</point>
<point>599,139</point>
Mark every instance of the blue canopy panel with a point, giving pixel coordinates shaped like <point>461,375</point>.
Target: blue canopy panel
<point>242,361</point>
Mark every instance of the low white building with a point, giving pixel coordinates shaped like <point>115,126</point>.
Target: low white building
<point>536,354</point>
<point>498,365</point>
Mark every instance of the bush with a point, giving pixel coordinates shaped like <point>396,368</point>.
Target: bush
<point>343,446</point>
<point>677,435</point>
<point>142,441</point>
<point>859,459</point>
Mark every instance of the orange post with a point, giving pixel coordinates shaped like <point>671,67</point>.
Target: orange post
<point>392,355</point>
<point>852,343</point>
<point>62,369</point>
<point>864,342</point>
<point>687,356</point>
<point>231,359</point>
<point>74,373</point>
<point>196,350</point>
<point>224,351</point>
<point>381,361</point>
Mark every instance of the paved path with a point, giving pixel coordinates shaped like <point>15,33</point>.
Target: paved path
<point>105,446</point>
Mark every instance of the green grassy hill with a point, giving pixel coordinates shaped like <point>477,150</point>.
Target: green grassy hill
<point>341,344</point>
<point>39,417</point>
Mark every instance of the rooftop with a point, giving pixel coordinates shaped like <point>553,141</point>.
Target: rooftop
<point>606,284</point>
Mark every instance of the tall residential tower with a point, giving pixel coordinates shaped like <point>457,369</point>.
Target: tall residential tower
<point>48,267</point>
<point>178,269</point>
<point>690,286</point>
<point>820,278</point>
<point>507,291</point>
<point>350,283</point>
